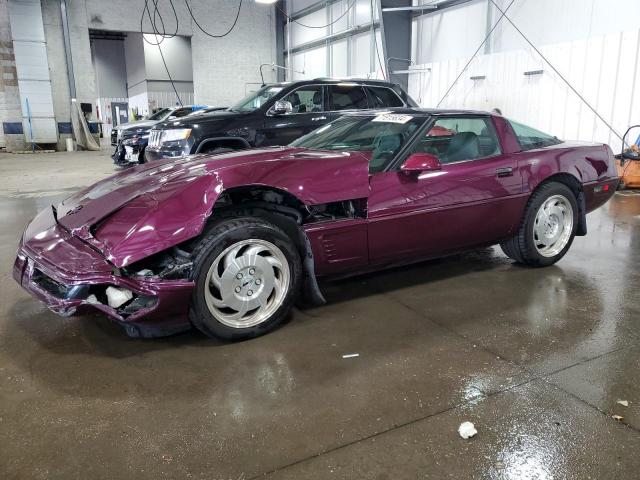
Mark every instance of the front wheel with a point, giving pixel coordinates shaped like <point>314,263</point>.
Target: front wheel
<point>248,274</point>
<point>548,229</point>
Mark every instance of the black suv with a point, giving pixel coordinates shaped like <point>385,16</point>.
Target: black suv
<point>130,139</point>
<point>276,114</point>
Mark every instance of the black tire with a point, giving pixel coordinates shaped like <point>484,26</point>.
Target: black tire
<point>216,240</point>
<point>521,247</point>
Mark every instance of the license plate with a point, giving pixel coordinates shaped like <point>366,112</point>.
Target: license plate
<point>130,155</point>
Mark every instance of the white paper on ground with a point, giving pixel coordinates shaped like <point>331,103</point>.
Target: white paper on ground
<point>467,430</point>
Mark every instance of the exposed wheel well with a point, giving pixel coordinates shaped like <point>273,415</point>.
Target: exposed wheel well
<point>231,143</point>
<point>283,210</point>
<point>576,187</point>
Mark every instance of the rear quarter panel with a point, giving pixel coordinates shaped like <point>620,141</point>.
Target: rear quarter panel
<point>591,164</point>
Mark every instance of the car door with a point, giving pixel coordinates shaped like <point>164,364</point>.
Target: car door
<point>308,113</point>
<point>474,199</point>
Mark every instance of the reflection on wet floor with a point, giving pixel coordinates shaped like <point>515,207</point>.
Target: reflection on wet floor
<point>537,359</point>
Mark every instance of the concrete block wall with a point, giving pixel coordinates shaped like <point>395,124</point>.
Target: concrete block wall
<point>223,68</point>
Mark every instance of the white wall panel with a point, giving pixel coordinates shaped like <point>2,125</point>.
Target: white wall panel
<point>604,69</point>
<point>32,66</point>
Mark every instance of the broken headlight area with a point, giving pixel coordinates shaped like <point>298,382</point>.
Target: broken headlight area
<point>125,302</point>
<point>172,264</point>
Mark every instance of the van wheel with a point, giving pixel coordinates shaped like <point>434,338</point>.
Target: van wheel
<point>248,274</point>
<point>548,229</point>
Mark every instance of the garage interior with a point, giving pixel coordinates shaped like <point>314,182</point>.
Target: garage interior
<point>375,383</point>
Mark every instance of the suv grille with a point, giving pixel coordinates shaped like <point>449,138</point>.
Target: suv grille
<point>155,138</point>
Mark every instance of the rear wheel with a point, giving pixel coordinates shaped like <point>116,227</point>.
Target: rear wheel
<point>548,229</point>
<point>248,274</point>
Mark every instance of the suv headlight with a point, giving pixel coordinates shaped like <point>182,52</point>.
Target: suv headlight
<point>175,134</point>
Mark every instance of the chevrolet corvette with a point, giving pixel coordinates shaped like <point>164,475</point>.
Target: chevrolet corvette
<point>229,242</point>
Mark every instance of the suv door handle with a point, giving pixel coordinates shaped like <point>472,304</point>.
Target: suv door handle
<point>315,119</point>
<point>504,172</point>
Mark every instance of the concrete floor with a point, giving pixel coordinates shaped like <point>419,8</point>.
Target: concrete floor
<point>537,359</point>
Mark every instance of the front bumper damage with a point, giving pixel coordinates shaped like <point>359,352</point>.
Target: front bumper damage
<point>128,152</point>
<point>70,279</point>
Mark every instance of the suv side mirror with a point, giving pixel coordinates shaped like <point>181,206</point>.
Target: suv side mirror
<point>281,107</point>
<point>421,162</point>
<point>630,147</point>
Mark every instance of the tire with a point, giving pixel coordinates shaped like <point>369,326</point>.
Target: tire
<point>541,243</point>
<point>238,264</point>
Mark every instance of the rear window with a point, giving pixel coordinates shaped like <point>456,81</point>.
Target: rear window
<point>382,97</point>
<point>530,138</point>
<point>347,97</point>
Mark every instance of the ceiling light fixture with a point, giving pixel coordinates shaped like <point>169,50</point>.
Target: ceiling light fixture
<point>266,1</point>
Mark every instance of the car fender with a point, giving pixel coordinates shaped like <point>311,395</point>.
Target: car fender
<point>180,209</point>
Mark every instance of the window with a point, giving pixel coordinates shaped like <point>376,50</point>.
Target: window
<point>456,139</point>
<point>306,99</point>
<point>381,97</point>
<point>181,112</point>
<point>379,139</point>
<point>530,138</point>
<point>255,100</point>
<point>347,97</point>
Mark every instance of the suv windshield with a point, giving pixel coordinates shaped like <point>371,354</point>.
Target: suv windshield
<point>255,100</point>
<point>160,114</point>
<point>383,136</point>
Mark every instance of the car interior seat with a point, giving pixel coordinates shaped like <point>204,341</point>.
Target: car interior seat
<point>385,146</point>
<point>295,102</point>
<point>463,146</point>
<point>317,101</point>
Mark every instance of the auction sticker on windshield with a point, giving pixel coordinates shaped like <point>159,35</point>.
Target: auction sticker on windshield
<point>392,118</point>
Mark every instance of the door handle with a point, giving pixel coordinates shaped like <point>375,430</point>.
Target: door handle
<point>504,172</point>
<point>315,119</point>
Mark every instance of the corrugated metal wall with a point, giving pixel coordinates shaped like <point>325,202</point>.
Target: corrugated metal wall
<point>605,69</point>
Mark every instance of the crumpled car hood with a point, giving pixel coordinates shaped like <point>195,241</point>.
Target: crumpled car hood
<point>151,207</point>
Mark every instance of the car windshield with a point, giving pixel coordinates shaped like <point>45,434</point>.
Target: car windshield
<point>160,114</point>
<point>383,136</point>
<point>255,100</point>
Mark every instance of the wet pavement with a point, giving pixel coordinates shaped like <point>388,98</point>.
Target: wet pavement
<point>537,359</point>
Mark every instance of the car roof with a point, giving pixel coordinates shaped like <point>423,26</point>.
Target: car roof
<point>331,81</point>
<point>416,112</point>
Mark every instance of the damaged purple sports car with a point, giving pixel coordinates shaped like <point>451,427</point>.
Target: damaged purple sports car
<point>229,242</point>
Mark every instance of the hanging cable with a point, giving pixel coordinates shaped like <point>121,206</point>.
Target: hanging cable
<point>154,27</point>
<point>169,74</point>
<point>162,34</point>
<point>475,53</point>
<point>291,19</point>
<point>211,34</point>
<point>557,72</point>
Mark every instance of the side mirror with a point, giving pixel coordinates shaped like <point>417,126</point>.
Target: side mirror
<point>630,144</point>
<point>171,117</point>
<point>421,162</point>
<point>281,107</point>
